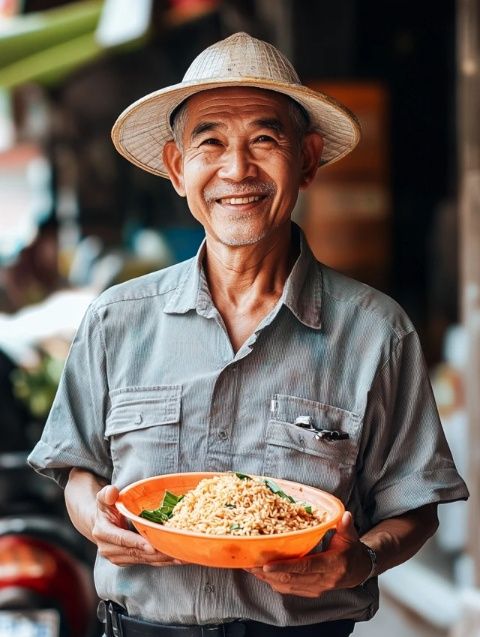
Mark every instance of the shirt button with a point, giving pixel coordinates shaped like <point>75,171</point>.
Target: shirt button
<point>301,440</point>
<point>223,435</point>
<point>209,588</point>
<point>138,419</point>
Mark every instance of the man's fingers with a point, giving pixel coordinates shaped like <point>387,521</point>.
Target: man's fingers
<point>113,550</point>
<point>278,582</point>
<point>300,567</point>
<point>107,496</point>
<point>122,538</point>
<point>314,574</point>
<point>298,574</point>
<point>151,563</point>
<point>293,580</point>
<point>109,530</point>
<point>298,592</point>
<point>123,559</point>
<point>123,554</point>
<point>106,510</point>
<point>346,528</point>
<point>131,540</point>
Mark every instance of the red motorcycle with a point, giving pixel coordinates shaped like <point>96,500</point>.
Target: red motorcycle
<point>46,587</point>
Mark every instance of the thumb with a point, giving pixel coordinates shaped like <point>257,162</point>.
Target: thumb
<point>346,531</point>
<point>107,496</point>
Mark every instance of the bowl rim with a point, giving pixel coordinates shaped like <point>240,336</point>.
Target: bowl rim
<point>171,530</point>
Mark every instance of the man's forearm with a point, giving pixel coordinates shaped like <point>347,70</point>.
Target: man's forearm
<point>397,539</point>
<point>80,498</point>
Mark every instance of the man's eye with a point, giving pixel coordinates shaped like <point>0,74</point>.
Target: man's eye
<point>211,141</point>
<point>264,139</point>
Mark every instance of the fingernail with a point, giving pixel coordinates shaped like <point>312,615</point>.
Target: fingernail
<point>268,568</point>
<point>148,548</point>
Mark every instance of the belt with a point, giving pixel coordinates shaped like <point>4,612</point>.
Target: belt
<point>119,624</point>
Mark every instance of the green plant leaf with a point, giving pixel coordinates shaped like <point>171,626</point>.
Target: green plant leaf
<point>164,511</point>
<point>274,488</point>
<point>243,476</point>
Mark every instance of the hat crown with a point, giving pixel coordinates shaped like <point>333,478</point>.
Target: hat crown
<point>241,55</point>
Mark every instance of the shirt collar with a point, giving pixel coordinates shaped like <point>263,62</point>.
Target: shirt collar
<point>303,288</point>
<point>302,293</point>
<point>186,295</point>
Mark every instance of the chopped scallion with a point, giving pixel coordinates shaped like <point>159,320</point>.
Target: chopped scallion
<point>274,488</point>
<point>243,476</point>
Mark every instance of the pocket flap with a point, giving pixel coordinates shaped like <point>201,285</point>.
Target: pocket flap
<point>282,430</point>
<point>135,408</point>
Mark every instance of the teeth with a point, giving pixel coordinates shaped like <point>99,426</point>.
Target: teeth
<point>239,200</point>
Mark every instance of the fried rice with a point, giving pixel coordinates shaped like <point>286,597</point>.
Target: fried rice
<point>230,505</point>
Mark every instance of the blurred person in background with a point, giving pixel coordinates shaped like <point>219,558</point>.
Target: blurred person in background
<point>213,363</point>
<point>34,273</point>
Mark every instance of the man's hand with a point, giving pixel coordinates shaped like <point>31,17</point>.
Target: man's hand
<point>115,542</point>
<point>91,506</point>
<point>344,564</point>
<point>347,563</point>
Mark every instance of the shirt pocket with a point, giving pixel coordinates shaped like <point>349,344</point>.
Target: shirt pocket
<point>143,427</point>
<point>295,453</point>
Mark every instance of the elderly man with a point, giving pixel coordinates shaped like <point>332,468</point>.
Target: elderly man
<point>214,363</point>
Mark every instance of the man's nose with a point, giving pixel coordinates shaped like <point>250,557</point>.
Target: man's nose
<point>237,165</point>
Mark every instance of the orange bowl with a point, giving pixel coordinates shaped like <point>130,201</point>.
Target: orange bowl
<point>223,551</point>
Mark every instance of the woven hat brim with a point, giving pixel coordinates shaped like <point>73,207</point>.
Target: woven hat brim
<point>143,128</point>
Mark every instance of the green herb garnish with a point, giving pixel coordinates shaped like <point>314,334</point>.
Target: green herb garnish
<point>235,527</point>
<point>165,510</point>
<point>274,488</point>
<point>306,506</point>
<point>243,476</point>
<point>230,506</point>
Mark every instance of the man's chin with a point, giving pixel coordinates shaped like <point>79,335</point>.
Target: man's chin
<point>243,234</point>
<point>242,239</point>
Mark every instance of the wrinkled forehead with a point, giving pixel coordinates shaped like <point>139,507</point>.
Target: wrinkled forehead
<point>235,100</point>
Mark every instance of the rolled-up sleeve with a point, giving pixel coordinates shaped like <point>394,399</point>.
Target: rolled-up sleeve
<point>406,459</point>
<point>74,433</point>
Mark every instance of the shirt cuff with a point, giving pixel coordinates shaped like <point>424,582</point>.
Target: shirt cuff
<point>56,464</point>
<point>416,490</point>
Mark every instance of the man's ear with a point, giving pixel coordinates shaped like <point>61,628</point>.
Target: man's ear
<point>311,153</point>
<point>172,158</point>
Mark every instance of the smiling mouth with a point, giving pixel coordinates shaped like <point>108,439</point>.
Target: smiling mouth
<point>238,201</point>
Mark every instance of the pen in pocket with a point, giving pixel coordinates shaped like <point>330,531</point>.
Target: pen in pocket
<point>330,435</point>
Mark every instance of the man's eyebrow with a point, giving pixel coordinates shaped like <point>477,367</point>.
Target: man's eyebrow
<point>201,127</point>
<point>270,122</point>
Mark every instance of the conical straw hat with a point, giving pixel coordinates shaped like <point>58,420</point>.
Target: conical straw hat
<point>141,131</point>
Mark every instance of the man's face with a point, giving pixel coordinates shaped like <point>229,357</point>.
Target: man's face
<point>242,163</point>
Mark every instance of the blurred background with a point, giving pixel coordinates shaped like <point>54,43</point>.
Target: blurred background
<point>401,213</point>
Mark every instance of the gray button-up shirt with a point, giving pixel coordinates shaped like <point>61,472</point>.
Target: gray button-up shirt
<point>152,386</point>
